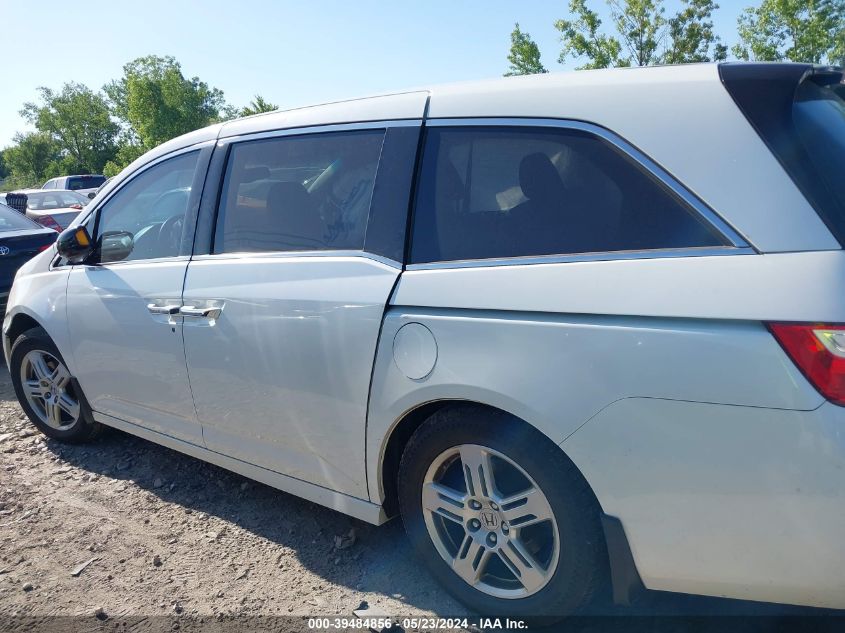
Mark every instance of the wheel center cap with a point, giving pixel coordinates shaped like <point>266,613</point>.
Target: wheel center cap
<point>489,519</point>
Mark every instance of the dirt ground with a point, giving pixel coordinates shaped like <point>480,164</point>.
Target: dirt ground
<point>123,528</point>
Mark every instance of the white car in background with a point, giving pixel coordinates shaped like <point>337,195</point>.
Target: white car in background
<point>86,184</point>
<point>54,209</point>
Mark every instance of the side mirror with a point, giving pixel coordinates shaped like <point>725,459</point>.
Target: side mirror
<point>92,194</point>
<point>115,246</point>
<point>74,244</point>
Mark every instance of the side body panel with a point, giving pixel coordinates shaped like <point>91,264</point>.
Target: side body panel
<point>724,500</point>
<point>128,361</point>
<point>559,371</point>
<point>281,377</point>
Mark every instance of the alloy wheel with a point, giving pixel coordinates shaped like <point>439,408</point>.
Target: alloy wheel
<point>49,390</point>
<point>490,521</point>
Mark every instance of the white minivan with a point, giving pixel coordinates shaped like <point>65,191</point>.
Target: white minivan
<point>573,328</point>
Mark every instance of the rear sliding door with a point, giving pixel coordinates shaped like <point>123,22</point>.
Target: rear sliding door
<point>282,315</point>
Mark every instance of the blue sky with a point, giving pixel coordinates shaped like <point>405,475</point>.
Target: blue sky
<point>291,52</point>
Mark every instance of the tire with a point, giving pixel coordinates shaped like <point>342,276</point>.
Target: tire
<point>567,581</point>
<point>52,379</point>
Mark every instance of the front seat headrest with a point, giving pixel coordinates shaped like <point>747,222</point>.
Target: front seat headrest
<point>539,178</point>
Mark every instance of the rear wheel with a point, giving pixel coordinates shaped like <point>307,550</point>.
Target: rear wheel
<point>47,392</point>
<point>500,516</point>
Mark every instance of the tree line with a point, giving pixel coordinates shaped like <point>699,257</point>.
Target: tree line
<point>641,33</point>
<point>82,131</point>
<point>79,130</point>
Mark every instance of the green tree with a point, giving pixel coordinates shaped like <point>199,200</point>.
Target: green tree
<point>257,106</point>
<point>78,120</point>
<point>156,102</point>
<point>34,158</point>
<point>641,28</point>
<point>795,30</point>
<point>641,34</point>
<point>691,36</point>
<point>582,39</point>
<point>524,56</point>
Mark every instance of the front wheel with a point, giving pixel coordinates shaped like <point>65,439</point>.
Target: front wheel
<point>47,392</point>
<point>500,516</point>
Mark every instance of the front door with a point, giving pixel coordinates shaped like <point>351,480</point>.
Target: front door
<point>125,330</point>
<point>284,315</point>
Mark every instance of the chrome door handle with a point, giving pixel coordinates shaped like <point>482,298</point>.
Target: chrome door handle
<point>165,309</point>
<point>207,313</point>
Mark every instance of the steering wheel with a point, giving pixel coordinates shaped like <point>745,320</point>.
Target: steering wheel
<point>170,235</point>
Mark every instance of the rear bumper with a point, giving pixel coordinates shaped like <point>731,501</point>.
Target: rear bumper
<point>740,502</point>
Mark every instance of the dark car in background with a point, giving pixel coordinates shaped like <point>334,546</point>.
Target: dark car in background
<point>20,239</point>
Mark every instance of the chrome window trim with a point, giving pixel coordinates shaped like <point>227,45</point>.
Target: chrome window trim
<point>664,177</point>
<point>318,129</point>
<point>606,256</point>
<point>298,254</point>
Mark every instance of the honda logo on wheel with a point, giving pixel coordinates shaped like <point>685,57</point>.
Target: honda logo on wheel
<point>490,520</point>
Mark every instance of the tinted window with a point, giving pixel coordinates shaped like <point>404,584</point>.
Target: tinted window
<point>11,220</point>
<point>298,193</point>
<point>152,207</point>
<point>85,182</point>
<point>819,118</point>
<point>512,192</point>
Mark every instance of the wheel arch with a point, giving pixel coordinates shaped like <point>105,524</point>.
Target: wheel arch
<point>20,323</point>
<point>625,582</point>
<point>400,433</point>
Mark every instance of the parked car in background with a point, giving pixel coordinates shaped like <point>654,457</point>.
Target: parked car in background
<point>54,209</point>
<point>570,327</point>
<point>86,184</point>
<point>20,239</point>
<point>15,200</point>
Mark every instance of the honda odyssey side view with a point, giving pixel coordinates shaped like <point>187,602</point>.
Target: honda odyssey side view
<point>579,330</point>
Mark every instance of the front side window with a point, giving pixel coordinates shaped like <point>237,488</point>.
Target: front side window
<point>152,208</point>
<point>298,193</point>
<point>487,192</point>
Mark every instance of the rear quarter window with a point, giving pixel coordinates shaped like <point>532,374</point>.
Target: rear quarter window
<point>504,192</point>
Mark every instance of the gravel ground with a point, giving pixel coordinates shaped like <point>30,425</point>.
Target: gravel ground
<point>164,533</point>
<point>124,528</point>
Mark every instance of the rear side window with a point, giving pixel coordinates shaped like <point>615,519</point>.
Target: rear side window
<point>516,192</point>
<point>298,193</point>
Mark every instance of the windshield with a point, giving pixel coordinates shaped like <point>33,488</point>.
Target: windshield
<point>38,201</point>
<point>11,220</point>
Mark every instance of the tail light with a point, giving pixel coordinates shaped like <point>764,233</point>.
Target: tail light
<point>77,206</point>
<point>819,352</point>
<point>49,222</point>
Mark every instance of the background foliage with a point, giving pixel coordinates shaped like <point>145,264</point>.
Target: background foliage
<point>81,130</point>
